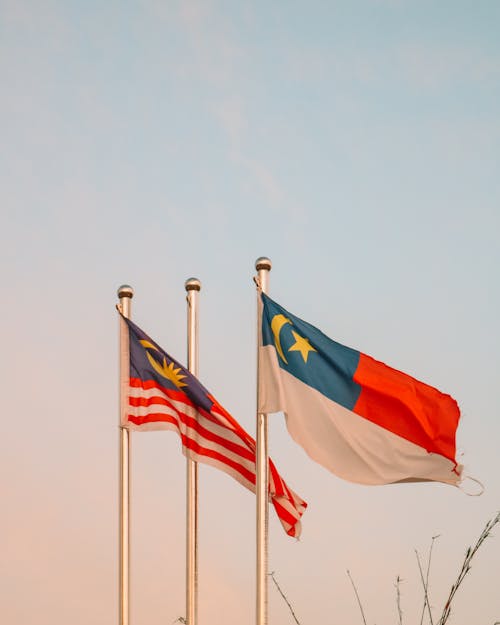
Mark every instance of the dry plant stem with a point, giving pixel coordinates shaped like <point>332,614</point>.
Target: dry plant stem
<point>284,598</point>
<point>426,600</point>
<point>398,599</point>
<point>357,597</point>
<point>425,584</point>
<point>427,580</point>
<point>471,551</point>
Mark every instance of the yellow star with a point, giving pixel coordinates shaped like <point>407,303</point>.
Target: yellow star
<point>301,345</point>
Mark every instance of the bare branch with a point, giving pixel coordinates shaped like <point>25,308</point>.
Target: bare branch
<point>425,583</point>
<point>357,597</point>
<point>284,598</point>
<point>466,565</point>
<point>398,599</point>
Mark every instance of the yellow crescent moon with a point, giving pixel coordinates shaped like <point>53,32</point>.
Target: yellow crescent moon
<point>168,371</point>
<point>277,323</point>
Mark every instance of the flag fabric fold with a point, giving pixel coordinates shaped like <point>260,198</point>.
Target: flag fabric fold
<point>158,393</point>
<point>359,418</point>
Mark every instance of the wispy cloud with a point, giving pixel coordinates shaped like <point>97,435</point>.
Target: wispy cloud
<point>421,65</point>
<point>232,115</point>
<point>267,181</point>
<point>233,118</point>
<point>195,13</point>
<point>445,65</point>
<point>214,50</point>
<point>218,58</point>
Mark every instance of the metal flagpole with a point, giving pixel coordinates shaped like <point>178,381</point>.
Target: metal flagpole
<point>193,287</point>
<point>125,294</point>
<point>263,267</point>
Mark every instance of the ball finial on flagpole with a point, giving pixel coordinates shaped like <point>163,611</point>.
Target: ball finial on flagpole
<point>263,263</point>
<point>125,290</point>
<point>192,284</point>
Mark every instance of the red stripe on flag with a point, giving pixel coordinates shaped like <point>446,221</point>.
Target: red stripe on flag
<point>190,422</point>
<point>149,384</point>
<point>286,517</point>
<point>153,417</point>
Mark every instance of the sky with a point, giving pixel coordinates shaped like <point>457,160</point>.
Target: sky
<point>356,144</point>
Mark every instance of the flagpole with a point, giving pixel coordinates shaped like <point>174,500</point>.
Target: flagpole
<point>193,287</point>
<point>263,267</point>
<point>125,294</point>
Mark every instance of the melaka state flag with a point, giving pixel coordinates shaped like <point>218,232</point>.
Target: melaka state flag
<point>359,418</point>
<point>157,393</point>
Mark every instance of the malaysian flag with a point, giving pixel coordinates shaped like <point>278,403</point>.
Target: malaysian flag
<point>158,393</point>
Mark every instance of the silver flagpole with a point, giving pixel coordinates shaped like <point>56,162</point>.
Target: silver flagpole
<point>125,294</point>
<point>263,267</point>
<point>193,287</point>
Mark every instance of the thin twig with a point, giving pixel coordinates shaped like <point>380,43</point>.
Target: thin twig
<point>425,583</point>
<point>426,596</point>
<point>466,565</point>
<point>430,557</point>
<point>398,599</point>
<point>357,597</point>
<point>284,598</point>
<point>427,576</point>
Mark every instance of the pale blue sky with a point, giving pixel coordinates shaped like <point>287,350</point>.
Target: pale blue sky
<point>354,143</point>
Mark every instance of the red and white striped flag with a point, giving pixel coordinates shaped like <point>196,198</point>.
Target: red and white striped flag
<point>160,394</point>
